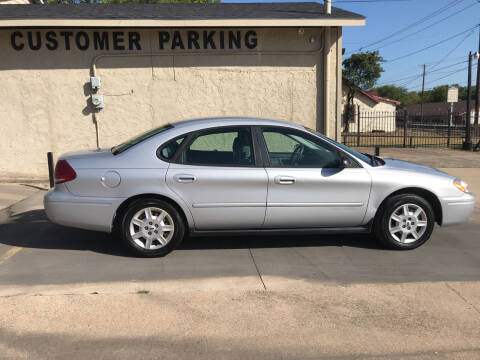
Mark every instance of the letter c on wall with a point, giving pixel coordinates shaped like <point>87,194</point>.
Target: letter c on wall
<point>13,41</point>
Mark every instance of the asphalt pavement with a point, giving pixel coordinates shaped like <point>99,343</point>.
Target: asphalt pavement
<point>70,293</point>
<point>53,254</point>
<point>12,193</point>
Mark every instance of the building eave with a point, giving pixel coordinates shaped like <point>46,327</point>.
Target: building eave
<point>136,23</point>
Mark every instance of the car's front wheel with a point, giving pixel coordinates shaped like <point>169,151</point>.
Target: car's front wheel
<point>151,227</point>
<point>404,222</point>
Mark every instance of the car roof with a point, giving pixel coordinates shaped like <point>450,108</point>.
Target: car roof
<point>197,124</point>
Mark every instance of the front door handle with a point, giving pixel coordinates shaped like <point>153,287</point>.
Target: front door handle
<point>284,180</point>
<point>184,178</point>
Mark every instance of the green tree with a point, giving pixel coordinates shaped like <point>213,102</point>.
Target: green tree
<point>398,93</point>
<point>360,70</point>
<point>437,94</point>
<point>363,69</point>
<point>392,92</point>
<point>462,93</point>
<point>412,97</point>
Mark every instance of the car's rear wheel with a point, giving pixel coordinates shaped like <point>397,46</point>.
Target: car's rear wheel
<point>151,227</point>
<point>404,222</point>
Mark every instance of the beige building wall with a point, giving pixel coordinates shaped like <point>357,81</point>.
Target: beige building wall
<point>45,98</point>
<point>14,2</point>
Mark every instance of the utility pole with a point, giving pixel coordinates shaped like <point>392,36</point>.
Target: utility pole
<point>467,144</point>
<point>477,95</point>
<point>423,92</point>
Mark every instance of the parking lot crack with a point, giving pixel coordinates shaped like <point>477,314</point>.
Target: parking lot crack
<point>462,297</point>
<point>256,267</point>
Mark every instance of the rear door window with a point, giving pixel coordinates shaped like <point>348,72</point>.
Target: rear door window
<point>221,147</point>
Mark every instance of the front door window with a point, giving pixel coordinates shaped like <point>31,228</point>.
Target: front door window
<point>292,149</point>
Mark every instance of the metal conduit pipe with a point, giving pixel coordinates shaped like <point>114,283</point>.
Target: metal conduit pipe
<point>328,6</point>
<point>196,53</point>
<point>203,53</point>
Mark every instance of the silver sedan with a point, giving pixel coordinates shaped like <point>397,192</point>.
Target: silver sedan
<point>244,176</point>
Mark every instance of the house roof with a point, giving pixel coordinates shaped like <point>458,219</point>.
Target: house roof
<point>373,95</point>
<point>440,108</point>
<point>177,15</point>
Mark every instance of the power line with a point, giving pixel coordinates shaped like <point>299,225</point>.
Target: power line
<point>415,23</point>
<point>449,66</point>
<point>405,84</point>
<point>416,76</point>
<point>433,45</point>
<point>451,73</point>
<point>443,77</point>
<point>397,80</point>
<point>453,58</point>
<point>455,48</point>
<point>428,27</point>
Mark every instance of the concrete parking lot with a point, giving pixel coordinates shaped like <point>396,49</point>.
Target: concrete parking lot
<point>68,293</point>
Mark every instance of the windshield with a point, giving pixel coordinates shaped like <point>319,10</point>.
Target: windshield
<point>139,138</point>
<point>358,155</point>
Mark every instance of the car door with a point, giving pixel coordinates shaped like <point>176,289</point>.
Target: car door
<point>218,173</point>
<point>311,183</point>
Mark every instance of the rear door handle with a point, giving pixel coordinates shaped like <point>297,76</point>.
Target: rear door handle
<point>184,178</point>
<point>284,180</point>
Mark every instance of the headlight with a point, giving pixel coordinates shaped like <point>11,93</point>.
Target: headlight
<point>461,185</point>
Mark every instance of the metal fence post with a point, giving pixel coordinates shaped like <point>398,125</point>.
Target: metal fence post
<point>405,121</point>
<point>449,123</point>
<point>50,169</point>
<point>358,125</point>
<point>467,144</point>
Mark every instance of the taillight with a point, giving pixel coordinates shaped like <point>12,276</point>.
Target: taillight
<point>64,172</point>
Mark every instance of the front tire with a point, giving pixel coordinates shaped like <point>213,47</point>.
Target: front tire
<point>151,228</point>
<point>404,222</point>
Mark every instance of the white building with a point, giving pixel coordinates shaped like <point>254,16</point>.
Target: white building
<point>375,113</point>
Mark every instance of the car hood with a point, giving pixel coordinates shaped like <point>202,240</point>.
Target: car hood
<point>413,167</point>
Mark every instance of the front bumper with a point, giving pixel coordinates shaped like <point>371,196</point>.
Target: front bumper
<point>89,213</point>
<point>457,210</point>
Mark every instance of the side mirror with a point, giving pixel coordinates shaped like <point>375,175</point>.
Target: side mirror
<point>345,163</point>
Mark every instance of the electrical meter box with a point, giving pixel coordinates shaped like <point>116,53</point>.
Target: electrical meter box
<point>97,101</point>
<point>96,82</point>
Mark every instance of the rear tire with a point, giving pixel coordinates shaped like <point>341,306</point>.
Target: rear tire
<point>151,228</point>
<point>404,222</point>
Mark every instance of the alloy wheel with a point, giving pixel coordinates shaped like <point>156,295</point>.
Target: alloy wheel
<point>408,223</point>
<point>152,228</point>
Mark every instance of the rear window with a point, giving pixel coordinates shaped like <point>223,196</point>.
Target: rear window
<point>169,150</point>
<point>139,138</point>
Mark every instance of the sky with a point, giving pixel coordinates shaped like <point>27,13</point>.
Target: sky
<point>418,24</point>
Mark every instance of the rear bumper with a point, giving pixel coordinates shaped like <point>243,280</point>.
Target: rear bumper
<point>457,210</point>
<point>81,212</point>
